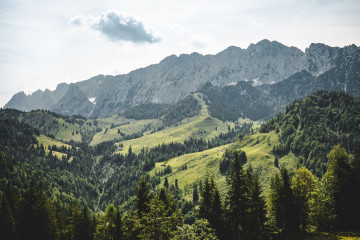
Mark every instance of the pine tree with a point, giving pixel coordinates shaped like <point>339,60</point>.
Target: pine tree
<point>257,210</point>
<point>7,221</point>
<point>143,197</point>
<point>37,219</point>
<point>216,214</point>
<point>354,191</point>
<point>336,182</point>
<point>282,203</point>
<point>236,202</point>
<point>206,199</point>
<point>176,184</point>
<point>166,183</point>
<point>118,232</point>
<point>157,224</point>
<point>109,217</point>
<point>195,194</point>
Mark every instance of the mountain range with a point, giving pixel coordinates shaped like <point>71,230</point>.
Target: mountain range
<point>258,82</point>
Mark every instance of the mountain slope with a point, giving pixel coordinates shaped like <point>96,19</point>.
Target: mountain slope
<point>174,78</point>
<point>311,127</point>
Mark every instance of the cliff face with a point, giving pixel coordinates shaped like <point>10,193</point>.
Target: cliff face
<point>174,78</point>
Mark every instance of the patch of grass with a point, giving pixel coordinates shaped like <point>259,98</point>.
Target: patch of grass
<point>258,148</point>
<point>46,142</point>
<point>66,130</point>
<point>200,126</point>
<point>199,165</point>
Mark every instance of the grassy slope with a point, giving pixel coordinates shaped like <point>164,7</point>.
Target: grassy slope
<point>46,142</point>
<point>134,126</point>
<point>200,126</point>
<point>258,148</point>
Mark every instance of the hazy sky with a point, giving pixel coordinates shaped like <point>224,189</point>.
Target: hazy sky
<point>45,42</point>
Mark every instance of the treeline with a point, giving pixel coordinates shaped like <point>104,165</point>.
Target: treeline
<point>296,205</point>
<point>33,215</point>
<point>94,175</point>
<point>169,113</point>
<point>129,167</point>
<point>21,157</point>
<point>146,111</point>
<point>229,103</point>
<point>310,127</point>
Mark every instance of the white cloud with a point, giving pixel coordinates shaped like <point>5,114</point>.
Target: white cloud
<point>116,27</point>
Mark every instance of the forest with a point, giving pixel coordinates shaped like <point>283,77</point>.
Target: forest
<point>67,191</point>
<point>296,205</point>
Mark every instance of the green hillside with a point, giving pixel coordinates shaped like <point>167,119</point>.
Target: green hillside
<point>258,148</point>
<point>200,126</point>
<point>311,127</point>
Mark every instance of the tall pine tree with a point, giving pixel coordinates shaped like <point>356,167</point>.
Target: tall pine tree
<point>236,200</point>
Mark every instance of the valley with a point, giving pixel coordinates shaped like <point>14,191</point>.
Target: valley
<point>200,148</point>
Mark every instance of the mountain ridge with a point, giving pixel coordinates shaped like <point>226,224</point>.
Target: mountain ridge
<point>175,77</point>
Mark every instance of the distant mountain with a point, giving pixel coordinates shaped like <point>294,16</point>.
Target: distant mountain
<point>73,102</point>
<point>263,65</point>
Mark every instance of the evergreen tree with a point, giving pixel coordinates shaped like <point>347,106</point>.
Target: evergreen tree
<point>36,217</point>
<point>337,187</point>
<point>216,214</point>
<point>236,201</point>
<point>303,186</point>
<point>7,221</point>
<point>257,210</point>
<point>86,223</point>
<point>110,226</point>
<point>166,183</point>
<point>118,232</point>
<point>206,199</point>
<point>157,224</point>
<point>200,230</point>
<point>354,191</point>
<point>76,222</point>
<point>143,197</point>
<point>195,194</point>
<point>282,202</point>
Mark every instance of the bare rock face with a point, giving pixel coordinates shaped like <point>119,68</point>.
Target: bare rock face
<point>174,78</point>
<point>73,102</point>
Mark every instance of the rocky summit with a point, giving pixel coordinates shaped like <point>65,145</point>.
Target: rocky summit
<point>277,74</point>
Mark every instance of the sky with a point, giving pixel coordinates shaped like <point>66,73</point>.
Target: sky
<point>47,42</point>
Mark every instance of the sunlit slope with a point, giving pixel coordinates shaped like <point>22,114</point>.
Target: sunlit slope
<point>112,127</point>
<point>200,126</point>
<point>49,142</point>
<point>258,148</point>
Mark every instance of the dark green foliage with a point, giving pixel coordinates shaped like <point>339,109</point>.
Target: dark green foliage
<point>282,201</point>
<point>206,199</point>
<point>7,220</point>
<point>227,159</point>
<point>170,114</point>
<point>195,194</point>
<point>142,197</point>
<point>37,220</point>
<point>354,191</point>
<point>338,187</point>
<point>166,183</point>
<point>312,126</point>
<point>227,103</point>
<point>256,209</point>
<point>146,111</point>
<point>236,200</point>
<point>185,108</point>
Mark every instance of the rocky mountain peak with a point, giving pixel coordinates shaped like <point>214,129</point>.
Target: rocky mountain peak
<point>175,77</point>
